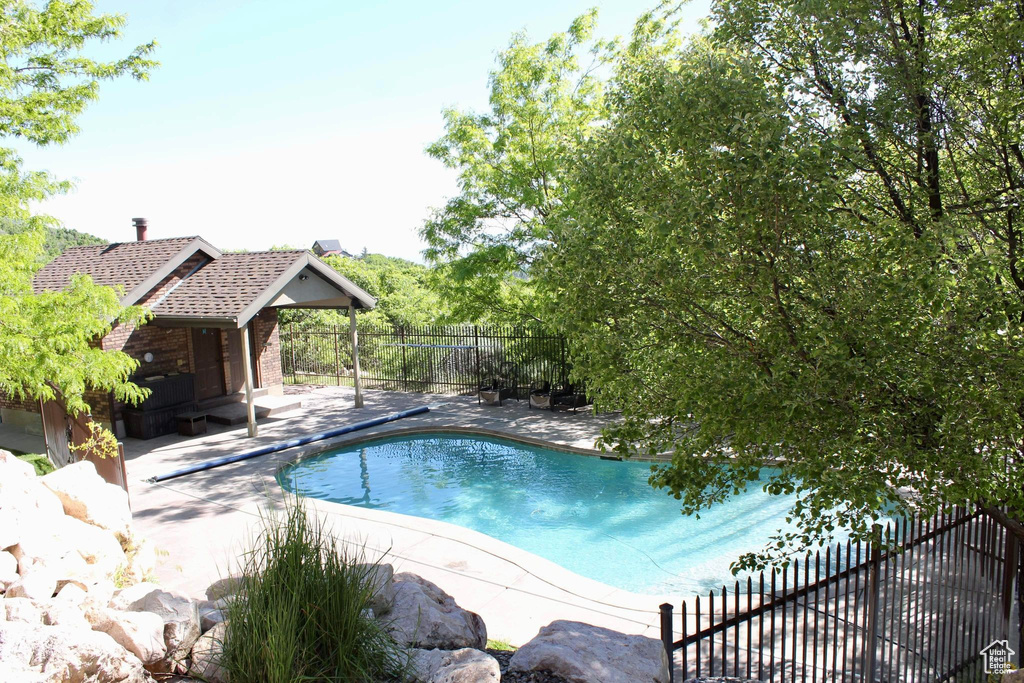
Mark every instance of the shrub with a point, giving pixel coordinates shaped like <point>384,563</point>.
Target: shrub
<point>299,613</point>
<point>41,463</point>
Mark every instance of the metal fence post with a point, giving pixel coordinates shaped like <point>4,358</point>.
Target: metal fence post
<point>405,367</point>
<point>476,344</point>
<point>291,341</point>
<point>666,637</point>
<point>873,595</point>
<point>337,358</point>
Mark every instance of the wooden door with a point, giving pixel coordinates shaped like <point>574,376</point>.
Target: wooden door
<point>209,368</point>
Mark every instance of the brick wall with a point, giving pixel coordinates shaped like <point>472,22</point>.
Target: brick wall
<point>267,341</point>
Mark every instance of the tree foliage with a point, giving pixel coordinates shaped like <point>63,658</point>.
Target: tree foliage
<point>46,81</point>
<point>801,237</point>
<point>47,347</point>
<point>56,239</point>
<point>545,98</point>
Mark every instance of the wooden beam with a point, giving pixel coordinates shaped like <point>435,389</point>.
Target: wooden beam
<point>355,355</point>
<point>250,410</point>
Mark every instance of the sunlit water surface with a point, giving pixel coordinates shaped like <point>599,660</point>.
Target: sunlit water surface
<point>598,518</point>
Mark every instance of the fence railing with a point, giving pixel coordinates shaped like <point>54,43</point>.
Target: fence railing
<point>919,605</point>
<point>425,359</point>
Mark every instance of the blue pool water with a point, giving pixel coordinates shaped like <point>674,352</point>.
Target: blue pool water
<point>598,518</point>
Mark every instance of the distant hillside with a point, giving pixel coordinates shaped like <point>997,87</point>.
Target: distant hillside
<point>58,239</point>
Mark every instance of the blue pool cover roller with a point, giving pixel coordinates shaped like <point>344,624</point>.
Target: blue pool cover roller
<point>291,443</point>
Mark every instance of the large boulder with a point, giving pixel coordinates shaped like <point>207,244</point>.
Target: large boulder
<point>453,666</point>
<point>180,616</point>
<point>21,610</point>
<point>223,588</point>
<point>206,654</point>
<point>58,653</point>
<point>38,584</point>
<point>99,548</point>
<point>380,579</point>
<point>9,528</point>
<point>13,466</point>
<point>60,613</point>
<point>25,501</point>
<point>86,496</point>
<point>124,598</point>
<point>424,616</point>
<point>582,653</point>
<point>8,570</point>
<point>141,633</point>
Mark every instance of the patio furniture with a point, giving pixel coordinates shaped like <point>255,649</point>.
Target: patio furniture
<point>540,396</point>
<point>170,395</point>
<point>192,423</point>
<point>570,397</point>
<point>494,394</point>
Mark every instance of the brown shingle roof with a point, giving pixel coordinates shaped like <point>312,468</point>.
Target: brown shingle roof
<point>128,264</point>
<point>225,287</point>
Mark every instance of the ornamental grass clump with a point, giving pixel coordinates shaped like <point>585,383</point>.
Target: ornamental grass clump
<point>301,610</point>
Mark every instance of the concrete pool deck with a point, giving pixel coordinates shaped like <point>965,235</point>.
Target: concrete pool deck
<point>202,522</point>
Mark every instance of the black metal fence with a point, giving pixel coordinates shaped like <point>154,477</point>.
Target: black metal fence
<point>427,359</point>
<point>920,605</point>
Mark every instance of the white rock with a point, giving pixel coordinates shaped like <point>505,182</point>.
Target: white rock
<point>12,466</point>
<point>57,653</point>
<point>44,542</point>
<point>141,633</point>
<point>8,570</point>
<point>98,547</point>
<point>71,593</point>
<point>86,496</point>
<point>206,655</point>
<point>21,610</point>
<point>453,666</point>
<point>39,584</point>
<point>210,617</point>
<point>124,598</point>
<point>222,588</point>
<point>10,528</point>
<point>60,613</point>
<point>181,621</point>
<point>29,502</point>
<point>583,653</point>
<point>381,578</point>
<point>424,616</point>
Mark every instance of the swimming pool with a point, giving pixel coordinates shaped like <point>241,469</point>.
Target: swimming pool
<point>598,518</point>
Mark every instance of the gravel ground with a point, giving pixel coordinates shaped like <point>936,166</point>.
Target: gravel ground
<point>503,657</point>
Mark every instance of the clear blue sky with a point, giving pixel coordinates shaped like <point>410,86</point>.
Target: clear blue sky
<point>286,122</point>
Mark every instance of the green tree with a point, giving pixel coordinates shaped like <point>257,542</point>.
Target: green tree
<point>545,99</point>
<point>46,81</point>
<point>802,240</point>
<point>57,238</point>
<point>47,339</point>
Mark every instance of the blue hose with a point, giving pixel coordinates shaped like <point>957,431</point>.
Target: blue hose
<point>291,443</point>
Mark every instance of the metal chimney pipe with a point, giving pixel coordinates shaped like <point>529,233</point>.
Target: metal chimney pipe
<point>140,229</point>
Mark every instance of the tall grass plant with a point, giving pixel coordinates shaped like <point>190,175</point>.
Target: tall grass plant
<point>301,610</point>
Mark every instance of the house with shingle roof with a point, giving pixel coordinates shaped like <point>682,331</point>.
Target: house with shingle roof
<point>214,334</point>
<point>329,248</point>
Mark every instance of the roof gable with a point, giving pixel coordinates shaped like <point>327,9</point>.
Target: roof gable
<point>136,266</point>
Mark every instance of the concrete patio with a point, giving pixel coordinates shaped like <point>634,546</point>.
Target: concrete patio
<point>203,521</point>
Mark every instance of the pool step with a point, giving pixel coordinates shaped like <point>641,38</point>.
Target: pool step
<point>264,406</point>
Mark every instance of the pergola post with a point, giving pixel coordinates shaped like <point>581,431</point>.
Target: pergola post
<point>355,355</point>
<point>250,409</point>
